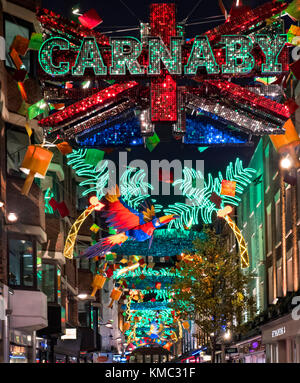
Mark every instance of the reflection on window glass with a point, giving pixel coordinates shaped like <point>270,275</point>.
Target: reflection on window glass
<point>84,314</point>
<point>20,263</point>
<point>11,30</point>
<point>16,144</point>
<point>48,281</point>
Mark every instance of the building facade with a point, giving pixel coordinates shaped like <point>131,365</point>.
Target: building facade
<point>43,317</point>
<point>269,218</point>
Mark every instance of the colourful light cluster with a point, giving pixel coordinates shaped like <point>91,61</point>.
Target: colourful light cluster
<point>87,105</point>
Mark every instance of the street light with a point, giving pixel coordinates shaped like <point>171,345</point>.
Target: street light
<point>227,335</point>
<point>285,163</point>
<point>12,217</point>
<point>82,296</point>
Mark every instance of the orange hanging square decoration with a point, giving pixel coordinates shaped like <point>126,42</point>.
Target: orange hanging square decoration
<point>20,44</point>
<point>228,188</point>
<point>16,58</point>
<point>64,148</point>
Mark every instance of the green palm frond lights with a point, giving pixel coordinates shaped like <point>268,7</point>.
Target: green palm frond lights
<point>199,203</point>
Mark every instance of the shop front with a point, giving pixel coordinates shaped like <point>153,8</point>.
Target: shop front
<point>281,338</point>
<point>150,355</point>
<point>249,351</point>
<point>20,348</point>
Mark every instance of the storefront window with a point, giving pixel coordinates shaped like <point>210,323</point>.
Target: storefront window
<point>18,354</point>
<point>22,268</point>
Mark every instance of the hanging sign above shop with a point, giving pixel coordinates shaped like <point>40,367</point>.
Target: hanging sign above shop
<point>278,332</point>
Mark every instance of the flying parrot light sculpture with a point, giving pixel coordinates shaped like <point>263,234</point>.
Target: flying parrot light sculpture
<point>138,225</point>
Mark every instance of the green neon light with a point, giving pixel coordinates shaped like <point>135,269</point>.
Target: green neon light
<point>200,197</point>
<point>238,48</point>
<point>45,56</point>
<point>120,60</point>
<point>134,188</point>
<point>159,52</point>
<point>48,195</point>
<point>148,272</point>
<point>271,49</point>
<point>201,55</point>
<point>89,56</point>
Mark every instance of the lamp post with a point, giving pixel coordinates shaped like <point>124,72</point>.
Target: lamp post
<point>226,338</point>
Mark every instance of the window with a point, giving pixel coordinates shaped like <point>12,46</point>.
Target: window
<point>279,278</point>
<point>254,254</point>
<point>84,314</point>
<point>47,281</point>
<point>85,263</point>
<point>267,166</point>
<point>288,209</point>
<point>12,27</point>
<point>270,284</point>
<point>16,146</point>
<point>277,217</point>
<point>260,244</point>
<point>22,263</point>
<point>269,229</point>
<point>290,283</point>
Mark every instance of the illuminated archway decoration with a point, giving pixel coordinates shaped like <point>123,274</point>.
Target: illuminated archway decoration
<point>71,238</point>
<point>244,255</point>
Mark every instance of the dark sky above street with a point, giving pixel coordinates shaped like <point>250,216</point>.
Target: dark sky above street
<point>116,16</point>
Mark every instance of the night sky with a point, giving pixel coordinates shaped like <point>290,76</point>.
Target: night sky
<point>116,16</point>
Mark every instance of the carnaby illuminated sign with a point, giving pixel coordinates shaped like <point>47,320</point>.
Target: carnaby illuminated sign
<point>278,332</point>
<point>127,55</point>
